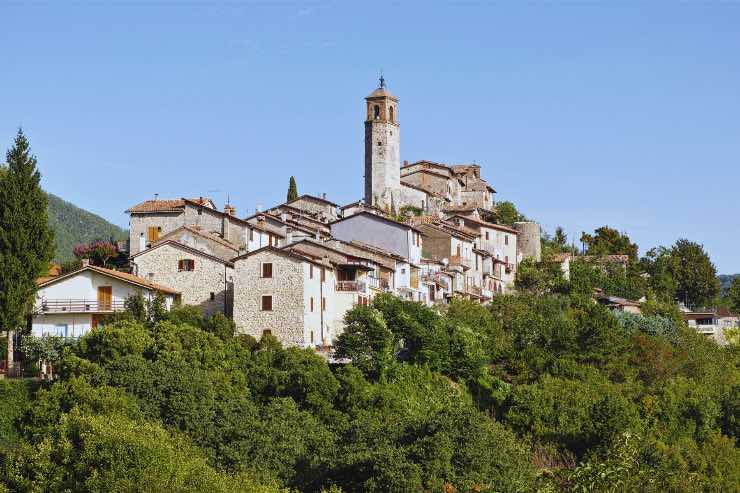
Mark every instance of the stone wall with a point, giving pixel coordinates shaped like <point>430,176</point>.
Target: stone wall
<point>139,224</point>
<point>160,265</point>
<point>286,320</point>
<point>529,243</point>
<point>382,164</point>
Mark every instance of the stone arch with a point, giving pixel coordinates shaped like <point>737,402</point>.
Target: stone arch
<point>376,112</point>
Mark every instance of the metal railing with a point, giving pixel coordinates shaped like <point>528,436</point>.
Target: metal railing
<point>79,306</point>
<point>378,283</point>
<point>355,286</point>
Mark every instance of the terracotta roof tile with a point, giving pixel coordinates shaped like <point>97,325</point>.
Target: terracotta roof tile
<point>167,205</point>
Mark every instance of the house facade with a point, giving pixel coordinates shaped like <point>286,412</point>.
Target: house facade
<point>72,304</point>
<point>203,279</point>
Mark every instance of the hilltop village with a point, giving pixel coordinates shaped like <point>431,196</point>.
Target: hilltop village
<point>424,231</point>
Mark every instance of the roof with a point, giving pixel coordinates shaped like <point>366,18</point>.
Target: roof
<point>616,300</point>
<point>604,258</point>
<point>280,251</point>
<point>421,189</point>
<point>197,230</point>
<point>449,228</point>
<point>424,162</point>
<point>486,224</point>
<point>340,257</point>
<point>182,246</point>
<point>385,259</point>
<point>168,205</point>
<point>377,216</point>
<point>381,92</point>
<point>314,198</point>
<point>123,276</point>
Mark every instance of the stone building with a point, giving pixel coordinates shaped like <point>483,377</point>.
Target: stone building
<point>152,219</point>
<point>203,279</point>
<point>382,149</point>
<point>299,293</point>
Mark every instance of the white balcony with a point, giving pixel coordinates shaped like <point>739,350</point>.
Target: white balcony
<point>79,306</point>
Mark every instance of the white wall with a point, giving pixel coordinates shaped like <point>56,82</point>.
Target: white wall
<point>78,324</point>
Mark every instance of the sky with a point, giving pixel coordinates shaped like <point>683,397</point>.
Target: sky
<point>583,114</point>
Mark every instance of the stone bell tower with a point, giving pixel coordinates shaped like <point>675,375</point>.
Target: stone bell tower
<point>382,149</point>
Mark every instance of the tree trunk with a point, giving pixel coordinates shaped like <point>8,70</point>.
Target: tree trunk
<point>11,364</point>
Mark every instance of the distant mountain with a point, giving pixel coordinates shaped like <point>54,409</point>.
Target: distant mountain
<point>73,225</point>
<point>726,280</point>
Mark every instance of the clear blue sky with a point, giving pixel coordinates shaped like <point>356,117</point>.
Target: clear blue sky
<point>626,114</point>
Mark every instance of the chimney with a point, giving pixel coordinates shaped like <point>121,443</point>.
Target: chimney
<point>323,195</point>
<point>318,234</point>
<point>85,262</point>
<point>226,226</point>
<point>156,196</point>
<point>258,208</point>
<point>228,209</point>
<point>283,216</point>
<point>405,162</point>
<point>460,222</point>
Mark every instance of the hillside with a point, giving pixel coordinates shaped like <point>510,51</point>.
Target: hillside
<point>73,225</point>
<point>726,280</point>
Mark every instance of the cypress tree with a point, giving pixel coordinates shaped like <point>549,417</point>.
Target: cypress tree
<point>26,240</point>
<point>292,190</point>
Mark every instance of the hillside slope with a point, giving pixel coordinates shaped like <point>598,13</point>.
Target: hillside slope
<point>726,280</point>
<point>73,225</point>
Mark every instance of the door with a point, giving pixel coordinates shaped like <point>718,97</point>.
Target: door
<point>105,298</point>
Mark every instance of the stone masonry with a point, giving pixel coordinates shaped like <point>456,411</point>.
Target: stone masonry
<point>286,319</point>
<point>160,265</point>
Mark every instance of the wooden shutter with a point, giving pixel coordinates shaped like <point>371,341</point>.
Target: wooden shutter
<point>153,233</point>
<point>267,269</point>
<point>266,303</point>
<point>105,298</point>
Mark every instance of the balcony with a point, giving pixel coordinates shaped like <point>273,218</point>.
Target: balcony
<point>378,283</point>
<point>460,260</point>
<point>79,306</point>
<point>351,286</point>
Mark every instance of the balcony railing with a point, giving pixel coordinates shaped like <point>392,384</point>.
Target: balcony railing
<point>459,260</point>
<point>378,283</point>
<point>354,286</point>
<point>79,306</point>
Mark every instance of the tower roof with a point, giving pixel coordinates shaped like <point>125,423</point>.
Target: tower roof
<point>381,91</point>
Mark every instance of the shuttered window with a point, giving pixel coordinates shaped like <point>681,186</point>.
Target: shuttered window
<point>153,233</point>
<point>267,270</point>
<point>186,265</point>
<point>267,303</point>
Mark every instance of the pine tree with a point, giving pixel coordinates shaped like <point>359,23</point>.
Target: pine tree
<point>26,240</point>
<point>292,190</point>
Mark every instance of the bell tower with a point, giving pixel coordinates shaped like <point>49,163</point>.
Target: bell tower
<point>382,149</point>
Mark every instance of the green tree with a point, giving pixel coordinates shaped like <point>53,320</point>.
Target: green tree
<point>658,264</point>
<point>366,341</point>
<point>26,241</point>
<point>733,295</point>
<point>694,274</point>
<point>609,241</point>
<point>292,190</point>
<point>507,213</point>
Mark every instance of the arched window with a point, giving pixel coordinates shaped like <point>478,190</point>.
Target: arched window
<point>390,110</point>
<point>376,112</point>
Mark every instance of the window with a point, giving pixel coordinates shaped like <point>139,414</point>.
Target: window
<point>267,303</point>
<point>486,235</point>
<point>266,332</point>
<point>59,330</point>
<point>390,112</point>
<point>213,296</point>
<point>153,233</point>
<point>376,112</point>
<point>267,269</point>
<point>186,265</point>
<point>312,340</point>
<point>310,271</point>
<point>403,271</point>
<point>251,234</point>
<point>323,274</point>
<point>506,239</point>
<point>311,303</point>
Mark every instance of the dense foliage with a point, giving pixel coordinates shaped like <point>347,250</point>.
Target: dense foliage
<point>292,190</point>
<point>73,226</point>
<point>537,392</point>
<point>26,241</point>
